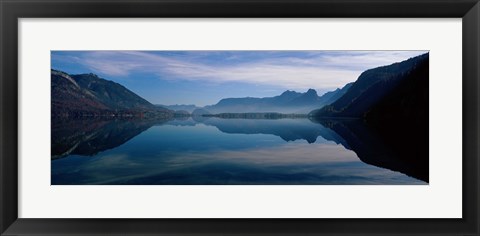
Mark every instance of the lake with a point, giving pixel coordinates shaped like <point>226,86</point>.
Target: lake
<point>216,151</point>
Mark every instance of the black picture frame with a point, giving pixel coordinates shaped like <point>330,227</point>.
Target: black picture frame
<point>12,10</point>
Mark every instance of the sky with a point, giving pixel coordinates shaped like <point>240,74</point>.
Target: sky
<point>204,77</point>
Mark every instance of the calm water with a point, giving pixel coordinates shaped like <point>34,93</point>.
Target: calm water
<point>224,151</point>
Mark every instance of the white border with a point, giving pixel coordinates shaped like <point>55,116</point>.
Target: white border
<point>441,199</point>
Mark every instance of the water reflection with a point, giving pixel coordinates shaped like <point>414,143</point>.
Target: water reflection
<point>226,151</point>
<point>88,137</point>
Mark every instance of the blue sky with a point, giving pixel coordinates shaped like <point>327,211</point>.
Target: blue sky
<point>205,77</point>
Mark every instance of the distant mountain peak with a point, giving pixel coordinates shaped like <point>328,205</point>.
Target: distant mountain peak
<point>288,92</point>
<point>311,92</point>
<point>288,101</point>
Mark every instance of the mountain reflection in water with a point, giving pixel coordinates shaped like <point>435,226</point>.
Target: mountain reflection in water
<point>212,150</point>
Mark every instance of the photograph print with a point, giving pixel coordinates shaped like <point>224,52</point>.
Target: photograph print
<point>239,117</point>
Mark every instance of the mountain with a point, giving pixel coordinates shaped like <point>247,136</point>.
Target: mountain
<point>393,102</point>
<point>287,102</point>
<point>89,95</point>
<point>397,90</point>
<point>256,115</point>
<point>332,96</point>
<point>112,94</point>
<point>67,96</point>
<point>305,99</point>
<point>177,107</point>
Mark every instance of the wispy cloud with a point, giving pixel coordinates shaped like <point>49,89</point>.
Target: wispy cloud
<point>289,69</point>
